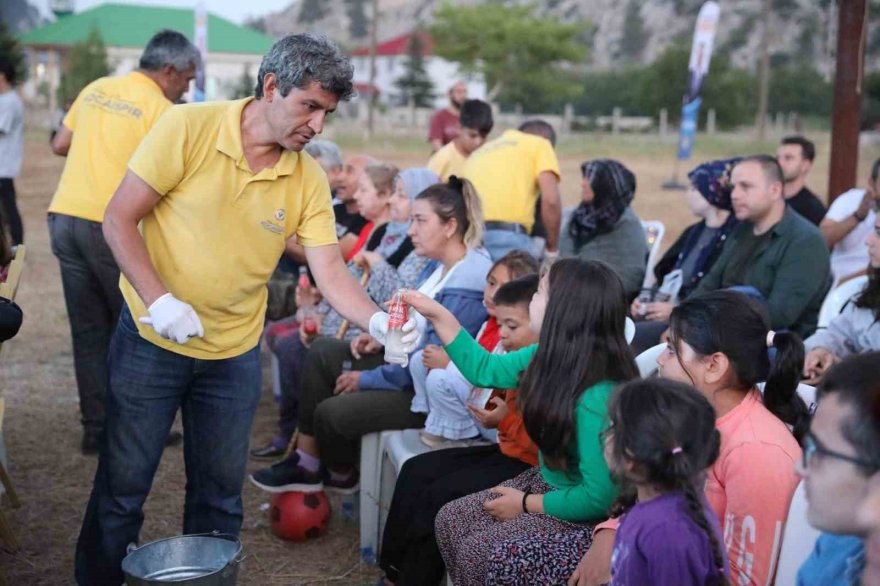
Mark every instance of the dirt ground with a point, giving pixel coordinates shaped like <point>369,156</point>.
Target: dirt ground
<point>42,428</point>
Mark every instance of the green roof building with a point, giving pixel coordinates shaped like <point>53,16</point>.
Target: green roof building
<point>233,50</point>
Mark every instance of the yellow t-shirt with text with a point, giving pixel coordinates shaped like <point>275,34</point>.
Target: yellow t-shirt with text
<point>505,172</point>
<point>219,230</point>
<point>109,119</point>
<point>447,161</point>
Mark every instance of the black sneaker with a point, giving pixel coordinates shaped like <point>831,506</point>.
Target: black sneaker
<point>287,475</point>
<point>349,485</point>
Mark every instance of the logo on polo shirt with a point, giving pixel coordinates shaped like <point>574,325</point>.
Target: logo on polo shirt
<point>279,214</point>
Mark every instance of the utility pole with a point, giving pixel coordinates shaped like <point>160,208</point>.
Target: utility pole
<point>851,31</point>
<point>764,71</point>
<point>374,35</point>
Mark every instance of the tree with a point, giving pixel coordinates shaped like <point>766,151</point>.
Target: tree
<point>634,37</point>
<point>312,11</point>
<point>415,84</point>
<point>243,87</point>
<point>520,55</point>
<point>357,23</point>
<point>87,62</point>
<point>11,53</point>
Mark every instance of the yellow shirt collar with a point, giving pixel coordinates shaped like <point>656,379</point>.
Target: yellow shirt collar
<point>229,143</point>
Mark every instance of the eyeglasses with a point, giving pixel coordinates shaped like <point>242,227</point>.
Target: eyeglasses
<point>813,447</point>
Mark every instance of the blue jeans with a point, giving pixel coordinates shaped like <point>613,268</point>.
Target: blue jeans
<point>500,242</point>
<point>147,385</point>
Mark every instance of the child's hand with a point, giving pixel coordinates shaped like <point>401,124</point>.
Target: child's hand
<point>425,305</point>
<point>507,506</point>
<point>433,356</point>
<point>367,258</point>
<point>490,419</point>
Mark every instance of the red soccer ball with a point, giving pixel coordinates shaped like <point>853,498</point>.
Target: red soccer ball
<point>299,516</point>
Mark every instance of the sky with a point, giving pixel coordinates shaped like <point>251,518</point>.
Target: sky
<point>234,10</point>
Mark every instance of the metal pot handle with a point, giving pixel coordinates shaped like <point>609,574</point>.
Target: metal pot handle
<point>131,548</point>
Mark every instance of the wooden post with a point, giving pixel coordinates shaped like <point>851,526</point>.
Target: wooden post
<point>851,32</point>
<point>664,122</point>
<point>615,121</point>
<point>374,26</point>
<point>764,71</point>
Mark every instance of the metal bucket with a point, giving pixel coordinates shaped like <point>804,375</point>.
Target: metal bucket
<point>208,559</point>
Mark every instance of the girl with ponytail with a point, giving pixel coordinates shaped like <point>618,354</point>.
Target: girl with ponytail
<point>660,441</point>
<point>719,343</point>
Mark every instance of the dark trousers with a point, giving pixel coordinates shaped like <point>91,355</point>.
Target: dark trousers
<point>290,352</point>
<point>648,335</point>
<point>427,482</point>
<point>9,211</point>
<point>148,384</point>
<point>90,278</point>
<point>338,421</point>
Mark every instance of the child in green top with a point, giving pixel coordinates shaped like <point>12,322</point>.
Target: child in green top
<point>537,525</point>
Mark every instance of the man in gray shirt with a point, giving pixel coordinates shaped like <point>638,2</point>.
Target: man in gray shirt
<point>11,146</point>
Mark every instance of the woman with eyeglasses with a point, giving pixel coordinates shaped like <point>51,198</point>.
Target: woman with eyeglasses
<point>840,468</point>
<point>719,343</point>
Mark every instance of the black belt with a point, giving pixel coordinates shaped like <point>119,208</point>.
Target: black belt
<point>508,226</point>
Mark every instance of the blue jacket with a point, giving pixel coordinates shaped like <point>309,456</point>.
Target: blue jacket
<point>462,295</point>
<point>836,560</point>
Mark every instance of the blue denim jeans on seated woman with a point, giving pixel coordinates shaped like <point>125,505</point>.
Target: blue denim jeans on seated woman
<point>147,385</point>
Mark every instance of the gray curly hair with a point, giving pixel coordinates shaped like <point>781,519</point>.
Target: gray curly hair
<point>298,60</point>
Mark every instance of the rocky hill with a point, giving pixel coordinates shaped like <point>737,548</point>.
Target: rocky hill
<point>620,30</point>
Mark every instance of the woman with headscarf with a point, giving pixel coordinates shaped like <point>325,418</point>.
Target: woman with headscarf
<point>393,264</point>
<point>695,251</point>
<point>604,227</point>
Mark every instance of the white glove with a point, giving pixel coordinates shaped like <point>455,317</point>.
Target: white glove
<point>412,329</point>
<point>173,319</point>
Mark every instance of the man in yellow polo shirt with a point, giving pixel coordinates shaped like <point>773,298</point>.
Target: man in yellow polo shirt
<point>211,199</point>
<point>510,173</point>
<point>100,132</point>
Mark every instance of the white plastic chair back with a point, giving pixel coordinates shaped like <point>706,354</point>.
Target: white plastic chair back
<point>647,360</point>
<point>798,540</point>
<point>837,298</point>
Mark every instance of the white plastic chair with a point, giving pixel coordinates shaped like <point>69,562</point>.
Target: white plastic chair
<point>372,448</point>
<point>647,360</point>
<point>654,232</point>
<point>400,447</point>
<point>798,540</point>
<point>838,297</point>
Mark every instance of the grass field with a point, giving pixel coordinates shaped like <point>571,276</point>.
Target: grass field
<point>42,428</point>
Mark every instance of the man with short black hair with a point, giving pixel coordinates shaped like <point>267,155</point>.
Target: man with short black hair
<point>774,253</point>
<point>476,124</point>
<point>841,458</point>
<point>795,155</point>
<point>100,132</point>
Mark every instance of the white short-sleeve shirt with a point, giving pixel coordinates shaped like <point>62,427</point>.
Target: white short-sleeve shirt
<point>850,254</point>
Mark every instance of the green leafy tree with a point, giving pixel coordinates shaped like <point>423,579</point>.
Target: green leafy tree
<point>358,24</point>
<point>415,84</point>
<point>12,53</point>
<point>312,11</point>
<point>521,56</point>
<point>87,62</point>
<point>634,37</point>
<point>243,87</point>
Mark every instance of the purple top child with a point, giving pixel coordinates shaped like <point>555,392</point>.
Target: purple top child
<point>658,543</point>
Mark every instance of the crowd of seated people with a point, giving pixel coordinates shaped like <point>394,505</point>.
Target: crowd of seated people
<point>550,461</point>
